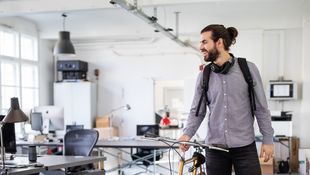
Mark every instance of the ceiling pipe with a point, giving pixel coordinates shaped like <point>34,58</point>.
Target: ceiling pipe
<point>177,24</point>
<point>151,20</point>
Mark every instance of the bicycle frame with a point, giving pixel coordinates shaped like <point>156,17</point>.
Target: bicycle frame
<point>183,162</point>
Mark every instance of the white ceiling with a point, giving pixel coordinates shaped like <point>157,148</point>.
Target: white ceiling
<point>100,19</point>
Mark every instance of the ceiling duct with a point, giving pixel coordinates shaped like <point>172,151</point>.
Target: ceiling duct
<point>151,20</point>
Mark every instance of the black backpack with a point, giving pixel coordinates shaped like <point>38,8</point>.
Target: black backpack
<point>246,74</point>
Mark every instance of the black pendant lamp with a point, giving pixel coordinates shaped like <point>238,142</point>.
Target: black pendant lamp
<point>64,46</point>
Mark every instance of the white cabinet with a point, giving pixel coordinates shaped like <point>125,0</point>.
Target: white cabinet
<point>79,102</point>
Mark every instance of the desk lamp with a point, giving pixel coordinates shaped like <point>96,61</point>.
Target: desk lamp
<point>15,115</point>
<point>126,107</point>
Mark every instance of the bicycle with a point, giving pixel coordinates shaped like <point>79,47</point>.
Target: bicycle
<point>197,159</point>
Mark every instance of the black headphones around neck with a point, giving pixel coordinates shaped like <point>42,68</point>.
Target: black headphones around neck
<point>224,69</point>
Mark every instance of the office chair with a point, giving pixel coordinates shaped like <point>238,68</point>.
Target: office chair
<point>145,155</point>
<point>79,142</point>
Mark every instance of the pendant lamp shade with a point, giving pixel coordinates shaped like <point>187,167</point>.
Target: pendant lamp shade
<point>64,45</point>
<point>15,114</point>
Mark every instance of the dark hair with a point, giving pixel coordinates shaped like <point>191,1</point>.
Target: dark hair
<point>219,31</point>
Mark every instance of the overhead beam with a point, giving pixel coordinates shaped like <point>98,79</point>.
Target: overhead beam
<point>151,20</point>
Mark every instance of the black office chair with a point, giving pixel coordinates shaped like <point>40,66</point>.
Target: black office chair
<point>79,142</point>
<point>140,154</point>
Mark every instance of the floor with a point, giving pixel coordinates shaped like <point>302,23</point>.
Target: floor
<point>113,162</point>
<point>159,171</point>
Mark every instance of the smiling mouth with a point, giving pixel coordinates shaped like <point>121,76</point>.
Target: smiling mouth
<point>204,53</point>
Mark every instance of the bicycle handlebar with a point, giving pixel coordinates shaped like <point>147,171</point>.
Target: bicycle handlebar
<point>157,138</point>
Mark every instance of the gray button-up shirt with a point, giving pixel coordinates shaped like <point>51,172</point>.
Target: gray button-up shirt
<point>230,121</point>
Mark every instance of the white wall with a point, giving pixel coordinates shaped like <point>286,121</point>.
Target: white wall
<point>305,110</point>
<point>127,74</point>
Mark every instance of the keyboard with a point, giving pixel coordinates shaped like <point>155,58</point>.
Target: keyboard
<point>17,162</point>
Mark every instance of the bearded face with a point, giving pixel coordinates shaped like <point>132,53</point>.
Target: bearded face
<point>212,55</point>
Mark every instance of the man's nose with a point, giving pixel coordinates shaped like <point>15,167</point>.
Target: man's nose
<point>201,47</point>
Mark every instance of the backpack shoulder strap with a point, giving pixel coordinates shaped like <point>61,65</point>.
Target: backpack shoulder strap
<point>204,87</point>
<point>248,78</point>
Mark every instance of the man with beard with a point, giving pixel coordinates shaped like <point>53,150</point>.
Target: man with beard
<point>230,119</point>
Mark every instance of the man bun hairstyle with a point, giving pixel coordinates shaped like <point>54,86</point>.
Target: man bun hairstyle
<point>219,31</point>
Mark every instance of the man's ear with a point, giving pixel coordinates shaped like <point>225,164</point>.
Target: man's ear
<point>220,42</point>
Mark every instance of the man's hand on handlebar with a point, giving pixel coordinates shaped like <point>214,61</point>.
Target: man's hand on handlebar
<point>184,147</point>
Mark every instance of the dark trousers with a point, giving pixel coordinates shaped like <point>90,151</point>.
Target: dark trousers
<point>244,160</point>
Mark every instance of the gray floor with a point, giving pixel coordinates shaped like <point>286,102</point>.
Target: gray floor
<point>134,170</point>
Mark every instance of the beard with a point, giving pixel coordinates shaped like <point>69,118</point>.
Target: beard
<point>212,55</point>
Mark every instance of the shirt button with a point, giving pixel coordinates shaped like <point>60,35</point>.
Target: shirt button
<point>225,94</point>
<point>225,130</point>
<point>224,81</point>
<point>225,119</point>
<point>225,106</point>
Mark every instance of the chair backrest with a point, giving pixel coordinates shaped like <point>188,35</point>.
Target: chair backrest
<point>80,142</point>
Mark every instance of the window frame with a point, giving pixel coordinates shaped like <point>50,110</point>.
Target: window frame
<point>20,62</point>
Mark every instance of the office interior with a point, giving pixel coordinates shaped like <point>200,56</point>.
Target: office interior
<point>137,70</point>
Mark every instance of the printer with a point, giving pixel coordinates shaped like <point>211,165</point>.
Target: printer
<point>282,124</point>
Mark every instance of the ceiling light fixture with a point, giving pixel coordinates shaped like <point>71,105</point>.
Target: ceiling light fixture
<point>64,46</point>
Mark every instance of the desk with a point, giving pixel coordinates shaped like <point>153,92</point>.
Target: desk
<point>53,163</point>
<point>132,143</point>
<point>25,143</point>
<point>121,143</point>
<point>116,144</point>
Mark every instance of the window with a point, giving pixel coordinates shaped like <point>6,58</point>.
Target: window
<point>28,47</point>
<point>8,43</point>
<point>18,70</point>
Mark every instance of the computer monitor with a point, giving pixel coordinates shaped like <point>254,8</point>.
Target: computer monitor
<point>53,116</point>
<point>36,121</point>
<point>143,129</point>
<point>74,127</point>
<point>9,142</point>
<point>282,90</point>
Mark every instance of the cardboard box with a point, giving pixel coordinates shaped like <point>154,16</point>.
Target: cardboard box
<point>266,167</point>
<point>103,122</point>
<point>107,133</point>
<point>294,160</point>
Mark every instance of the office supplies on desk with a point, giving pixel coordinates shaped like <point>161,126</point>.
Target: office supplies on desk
<point>32,153</point>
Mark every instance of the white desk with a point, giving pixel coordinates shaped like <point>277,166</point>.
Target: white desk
<point>53,163</point>
<point>119,145</point>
